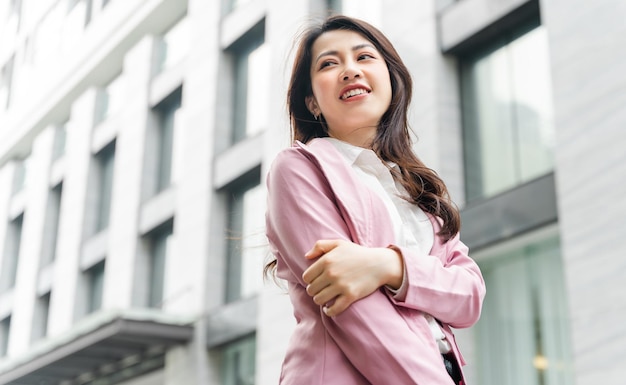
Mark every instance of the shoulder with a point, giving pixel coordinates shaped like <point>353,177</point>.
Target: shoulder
<point>290,160</point>
<point>302,157</point>
<point>294,166</point>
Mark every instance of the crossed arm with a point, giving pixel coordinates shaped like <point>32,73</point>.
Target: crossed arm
<point>345,272</point>
<point>346,276</point>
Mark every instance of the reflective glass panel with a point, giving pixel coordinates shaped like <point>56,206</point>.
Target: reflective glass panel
<point>508,119</point>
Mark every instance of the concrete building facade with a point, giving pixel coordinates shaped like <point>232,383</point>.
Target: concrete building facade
<point>134,140</point>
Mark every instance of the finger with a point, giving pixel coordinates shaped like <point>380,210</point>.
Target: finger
<point>341,303</point>
<point>316,286</point>
<point>325,296</point>
<point>321,247</point>
<point>312,272</point>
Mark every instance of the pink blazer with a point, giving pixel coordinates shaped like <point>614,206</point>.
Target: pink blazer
<point>313,194</point>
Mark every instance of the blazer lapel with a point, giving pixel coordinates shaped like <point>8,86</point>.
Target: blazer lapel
<point>365,214</point>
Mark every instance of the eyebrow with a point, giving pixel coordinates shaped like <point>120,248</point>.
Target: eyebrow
<point>335,52</point>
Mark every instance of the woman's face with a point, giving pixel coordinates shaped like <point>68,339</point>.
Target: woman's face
<point>351,86</point>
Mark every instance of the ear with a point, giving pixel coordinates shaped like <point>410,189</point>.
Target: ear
<point>311,104</point>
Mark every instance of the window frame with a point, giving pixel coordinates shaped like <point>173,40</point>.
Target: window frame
<point>474,187</point>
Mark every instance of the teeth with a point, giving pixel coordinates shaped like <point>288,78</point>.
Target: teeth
<point>354,92</point>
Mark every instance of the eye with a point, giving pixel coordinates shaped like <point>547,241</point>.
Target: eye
<point>365,56</point>
<point>325,64</point>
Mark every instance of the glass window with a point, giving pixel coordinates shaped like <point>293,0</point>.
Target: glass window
<point>15,11</point>
<point>105,161</point>
<point>79,11</point>
<point>5,332</point>
<point>523,333</point>
<point>333,6</point>
<point>51,225</point>
<point>110,99</point>
<point>11,254</point>
<point>47,37</point>
<point>21,174</point>
<point>164,139</point>
<point>6,78</point>
<point>174,45</point>
<point>239,365</point>
<point>251,83</point>
<point>60,136</point>
<point>40,319</point>
<point>246,251</point>
<point>234,4</point>
<point>160,243</point>
<point>10,19</point>
<point>77,17</point>
<point>95,286</point>
<point>508,117</point>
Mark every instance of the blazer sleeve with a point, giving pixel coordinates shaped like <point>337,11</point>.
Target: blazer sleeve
<point>447,285</point>
<point>372,333</point>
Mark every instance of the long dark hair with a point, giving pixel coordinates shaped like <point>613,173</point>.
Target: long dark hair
<point>392,141</point>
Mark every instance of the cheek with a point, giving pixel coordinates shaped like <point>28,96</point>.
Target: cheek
<point>322,89</point>
<point>388,89</point>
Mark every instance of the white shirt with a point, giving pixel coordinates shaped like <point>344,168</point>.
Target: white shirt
<point>412,228</point>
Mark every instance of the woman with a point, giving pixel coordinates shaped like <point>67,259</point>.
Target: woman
<point>364,233</point>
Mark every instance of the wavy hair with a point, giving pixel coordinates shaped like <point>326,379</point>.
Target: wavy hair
<point>392,141</point>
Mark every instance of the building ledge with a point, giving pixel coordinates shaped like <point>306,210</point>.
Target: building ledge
<point>111,345</point>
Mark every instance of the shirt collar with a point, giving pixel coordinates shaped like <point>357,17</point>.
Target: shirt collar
<point>349,151</point>
<point>356,155</point>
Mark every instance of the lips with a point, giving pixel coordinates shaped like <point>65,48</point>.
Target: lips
<point>354,90</point>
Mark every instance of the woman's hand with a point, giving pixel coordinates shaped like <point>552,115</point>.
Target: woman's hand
<point>346,272</point>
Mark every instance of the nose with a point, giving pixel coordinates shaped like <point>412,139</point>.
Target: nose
<point>351,71</point>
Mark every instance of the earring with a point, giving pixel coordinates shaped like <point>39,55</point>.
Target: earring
<point>316,116</point>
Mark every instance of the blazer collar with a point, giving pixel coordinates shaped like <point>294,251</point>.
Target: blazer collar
<point>359,206</point>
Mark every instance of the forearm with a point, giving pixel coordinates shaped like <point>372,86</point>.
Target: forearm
<point>345,272</point>
<point>447,285</point>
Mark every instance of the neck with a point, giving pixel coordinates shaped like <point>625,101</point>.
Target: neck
<point>360,137</point>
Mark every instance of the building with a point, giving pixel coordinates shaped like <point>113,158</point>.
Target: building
<point>134,140</point>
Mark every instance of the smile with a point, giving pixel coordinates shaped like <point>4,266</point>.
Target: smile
<point>353,92</point>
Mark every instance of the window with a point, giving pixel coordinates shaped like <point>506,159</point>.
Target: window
<point>164,140</point>
<point>234,4</point>
<point>174,45</point>
<point>20,175</point>
<point>110,99</point>
<point>79,11</point>
<point>333,6</point>
<point>507,112</point>
<point>47,38</point>
<point>15,12</point>
<point>5,332</point>
<point>12,21</point>
<point>239,366</point>
<point>51,226</point>
<point>77,16</point>
<point>60,137</point>
<point>246,235</point>
<point>251,82</point>
<point>11,254</point>
<point>159,249</point>
<point>103,180</point>
<point>6,78</point>
<point>95,286</point>
<point>40,319</point>
<point>523,333</point>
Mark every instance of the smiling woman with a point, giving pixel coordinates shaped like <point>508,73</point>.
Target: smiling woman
<point>350,84</point>
<point>363,232</point>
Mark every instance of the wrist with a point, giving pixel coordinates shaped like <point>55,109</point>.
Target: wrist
<point>394,268</point>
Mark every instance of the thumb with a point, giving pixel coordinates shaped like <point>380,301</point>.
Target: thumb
<point>322,247</point>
